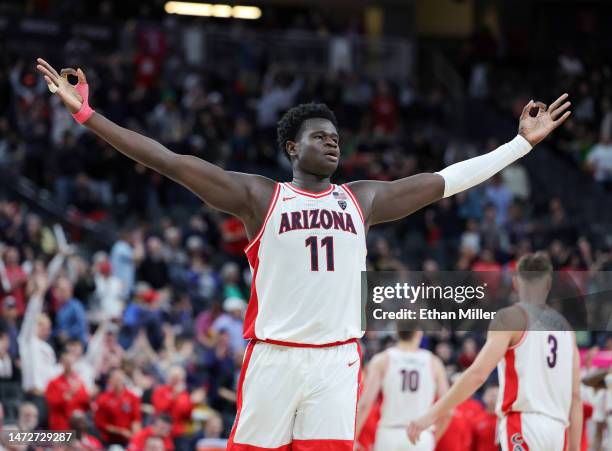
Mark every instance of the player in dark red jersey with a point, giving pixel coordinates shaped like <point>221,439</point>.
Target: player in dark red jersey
<point>315,414</point>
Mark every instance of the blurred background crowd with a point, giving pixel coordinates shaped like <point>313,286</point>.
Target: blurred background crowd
<point>122,296</point>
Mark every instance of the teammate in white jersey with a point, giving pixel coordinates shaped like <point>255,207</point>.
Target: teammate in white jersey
<point>410,379</point>
<point>538,370</point>
<point>299,381</point>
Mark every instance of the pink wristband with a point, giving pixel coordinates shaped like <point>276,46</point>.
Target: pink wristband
<point>85,112</point>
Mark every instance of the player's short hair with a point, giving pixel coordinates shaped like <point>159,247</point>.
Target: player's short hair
<point>406,335</point>
<point>534,266</point>
<point>290,124</point>
<point>406,329</point>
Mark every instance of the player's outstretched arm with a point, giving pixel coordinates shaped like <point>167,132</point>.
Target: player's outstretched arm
<point>575,427</point>
<point>388,201</point>
<point>232,192</point>
<point>467,384</point>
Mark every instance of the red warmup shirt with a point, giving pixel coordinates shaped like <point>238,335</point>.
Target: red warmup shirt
<point>139,440</point>
<point>116,409</point>
<point>485,432</point>
<point>90,443</point>
<point>458,435</point>
<point>17,278</point>
<point>61,407</point>
<point>367,436</point>
<point>179,407</point>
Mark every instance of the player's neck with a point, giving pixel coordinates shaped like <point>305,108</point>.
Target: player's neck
<point>310,182</point>
<point>534,301</point>
<point>407,345</point>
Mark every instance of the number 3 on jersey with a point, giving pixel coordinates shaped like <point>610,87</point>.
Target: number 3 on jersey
<point>328,244</point>
<point>551,359</point>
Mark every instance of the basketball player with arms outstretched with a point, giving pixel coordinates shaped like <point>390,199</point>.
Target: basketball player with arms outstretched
<point>299,381</point>
<point>410,379</point>
<point>538,368</point>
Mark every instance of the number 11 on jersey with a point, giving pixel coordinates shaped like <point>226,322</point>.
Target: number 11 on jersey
<point>328,244</point>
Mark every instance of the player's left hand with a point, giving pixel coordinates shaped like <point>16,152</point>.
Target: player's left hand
<point>535,128</point>
<point>417,426</point>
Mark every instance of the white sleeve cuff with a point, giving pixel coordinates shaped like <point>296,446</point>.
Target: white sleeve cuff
<point>466,174</point>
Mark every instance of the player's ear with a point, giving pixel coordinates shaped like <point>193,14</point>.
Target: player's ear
<point>291,148</point>
<point>515,282</point>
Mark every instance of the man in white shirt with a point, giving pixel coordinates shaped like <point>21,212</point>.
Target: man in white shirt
<point>38,361</point>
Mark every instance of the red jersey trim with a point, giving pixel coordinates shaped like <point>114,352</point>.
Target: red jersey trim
<point>306,345</point>
<point>511,381</point>
<point>271,206</point>
<point>524,334</point>
<point>304,192</point>
<point>354,199</point>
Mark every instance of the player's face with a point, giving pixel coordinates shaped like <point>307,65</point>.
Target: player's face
<point>317,150</point>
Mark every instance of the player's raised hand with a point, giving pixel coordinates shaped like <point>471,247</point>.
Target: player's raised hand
<point>534,128</point>
<point>58,84</point>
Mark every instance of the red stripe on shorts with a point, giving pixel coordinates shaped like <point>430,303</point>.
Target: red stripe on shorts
<point>241,447</point>
<point>514,433</point>
<point>322,445</point>
<point>231,446</point>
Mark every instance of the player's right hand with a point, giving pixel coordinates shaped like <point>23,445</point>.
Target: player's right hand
<point>417,426</point>
<point>58,84</point>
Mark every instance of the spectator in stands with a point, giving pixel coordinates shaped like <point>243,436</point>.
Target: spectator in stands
<point>213,438</point>
<point>153,269</point>
<point>160,428</point>
<point>9,370</point>
<point>27,421</point>
<point>500,196</point>
<point>485,424</point>
<point>154,443</point>
<point>174,399</point>
<point>65,394</point>
<point>384,110</point>
<point>599,160</point>
<point>117,414</point>
<point>231,321</point>
<point>469,351</point>
<point>87,365</point>
<point>79,424</point>
<point>125,255</point>
<point>230,274</point>
<point>8,322</point>
<point>71,322</point>
<point>109,289</point>
<point>15,276</point>
<point>38,362</point>
<point>143,313</point>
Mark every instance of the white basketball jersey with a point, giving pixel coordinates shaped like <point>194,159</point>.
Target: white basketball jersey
<point>535,375</point>
<point>306,262</point>
<point>408,387</point>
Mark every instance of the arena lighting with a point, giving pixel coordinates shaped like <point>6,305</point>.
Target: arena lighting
<point>247,12</point>
<point>212,10</point>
